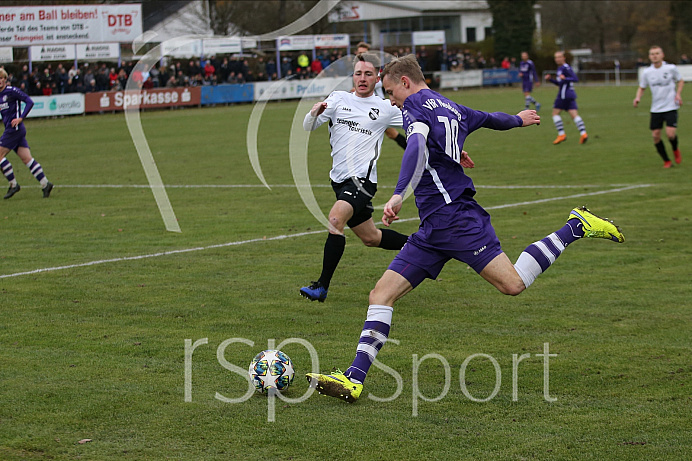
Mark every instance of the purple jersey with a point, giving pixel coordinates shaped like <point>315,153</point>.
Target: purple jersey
<point>566,85</point>
<point>528,71</point>
<point>437,128</point>
<point>10,106</point>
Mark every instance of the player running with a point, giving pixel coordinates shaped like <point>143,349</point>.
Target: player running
<point>666,88</point>
<point>390,132</point>
<point>453,225</point>
<point>14,137</point>
<point>357,122</point>
<point>566,99</point>
<point>527,72</point>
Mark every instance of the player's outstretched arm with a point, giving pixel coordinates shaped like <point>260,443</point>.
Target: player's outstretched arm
<point>318,108</point>
<point>310,122</point>
<point>391,209</point>
<point>529,117</point>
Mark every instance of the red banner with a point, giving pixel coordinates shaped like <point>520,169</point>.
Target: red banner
<point>145,99</point>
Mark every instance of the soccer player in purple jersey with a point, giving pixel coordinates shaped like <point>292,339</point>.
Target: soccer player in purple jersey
<point>14,136</point>
<point>527,72</point>
<point>566,99</point>
<point>453,225</point>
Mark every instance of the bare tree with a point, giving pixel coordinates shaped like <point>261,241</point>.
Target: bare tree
<point>610,25</point>
<point>681,13</point>
<point>245,17</point>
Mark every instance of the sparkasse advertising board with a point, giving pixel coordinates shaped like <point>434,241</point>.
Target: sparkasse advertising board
<point>104,101</point>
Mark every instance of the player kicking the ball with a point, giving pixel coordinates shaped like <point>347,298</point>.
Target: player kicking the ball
<point>453,225</point>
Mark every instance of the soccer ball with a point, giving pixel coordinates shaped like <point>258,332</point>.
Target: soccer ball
<point>271,369</point>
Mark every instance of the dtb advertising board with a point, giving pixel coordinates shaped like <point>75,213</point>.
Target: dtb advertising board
<point>52,25</point>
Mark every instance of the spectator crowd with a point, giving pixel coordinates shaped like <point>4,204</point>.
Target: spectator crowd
<point>90,77</point>
<point>59,78</point>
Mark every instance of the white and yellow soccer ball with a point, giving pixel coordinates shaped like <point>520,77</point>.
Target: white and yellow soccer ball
<point>271,369</point>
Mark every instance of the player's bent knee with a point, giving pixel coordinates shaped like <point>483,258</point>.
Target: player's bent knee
<point>336,224</point>
<point>370,241</point>
<point>511,288</point>
<point>515,290</point>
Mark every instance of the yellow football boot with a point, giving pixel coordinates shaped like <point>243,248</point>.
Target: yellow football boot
<point>336,385</point>
<point>595,226</point>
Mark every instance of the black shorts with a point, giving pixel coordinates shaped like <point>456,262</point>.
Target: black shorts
<point>657,119</point>
<point>358,192</point>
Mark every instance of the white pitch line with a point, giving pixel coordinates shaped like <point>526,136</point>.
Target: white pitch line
<point>286,236</point>
<point>163,253</point>
<point>585,194</point>
<point>261,186</point>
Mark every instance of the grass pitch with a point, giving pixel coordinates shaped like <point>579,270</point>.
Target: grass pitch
<point>97,299</point>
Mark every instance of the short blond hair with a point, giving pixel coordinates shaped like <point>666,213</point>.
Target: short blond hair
<point>3,73</point>
<point>405,66</point>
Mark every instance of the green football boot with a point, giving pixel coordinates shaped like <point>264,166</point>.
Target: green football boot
<point>595,226</point>
<point>335,385</point>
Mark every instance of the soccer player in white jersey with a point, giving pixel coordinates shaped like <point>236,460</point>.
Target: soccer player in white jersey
<point>666,88</point>
<point>357,121</point>
<point>391,133</point>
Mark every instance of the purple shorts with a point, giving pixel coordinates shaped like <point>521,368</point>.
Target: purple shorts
<point>460,230</point>
<point>565,104</point>
<point>527,86</point>
<point>14,139</point>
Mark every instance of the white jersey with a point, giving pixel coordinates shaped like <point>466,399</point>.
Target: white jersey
<point>379,89</point>
<point>356,129</point>
<point>662,82</point>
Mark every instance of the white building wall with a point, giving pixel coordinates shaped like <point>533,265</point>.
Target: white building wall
<point>478,21</point>
<point>471,14</point>
<point>192,19</point>
<point>375,28</point>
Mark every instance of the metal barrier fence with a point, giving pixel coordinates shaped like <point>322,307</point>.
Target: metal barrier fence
<point>609,77</point>
<point>77,103</point>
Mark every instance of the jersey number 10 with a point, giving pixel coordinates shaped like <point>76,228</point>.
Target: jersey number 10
<point>451,137</point>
